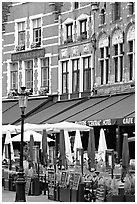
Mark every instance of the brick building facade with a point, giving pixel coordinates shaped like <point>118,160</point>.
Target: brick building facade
<point>77,59</point>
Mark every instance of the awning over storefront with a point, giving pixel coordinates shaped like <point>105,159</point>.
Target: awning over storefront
<point>11,111</point>
<point>6,105</point>
<point>94,111</point>
<point>58,108</point>
<point>99,111</point>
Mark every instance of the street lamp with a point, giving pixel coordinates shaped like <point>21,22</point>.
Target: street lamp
<point>20,183</point>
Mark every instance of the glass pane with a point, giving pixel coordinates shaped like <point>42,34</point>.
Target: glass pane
<point>64,88</point>
<point>116,69</point>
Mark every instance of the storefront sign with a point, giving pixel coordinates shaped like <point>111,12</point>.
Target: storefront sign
<point>99,122</point>
<point>128,121</point>
<point>31,54</point>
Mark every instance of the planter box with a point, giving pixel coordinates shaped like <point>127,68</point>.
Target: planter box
<point>129,198</point>
<point>64,194</point>
<point>115,198</point>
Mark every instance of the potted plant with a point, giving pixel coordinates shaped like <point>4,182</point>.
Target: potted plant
<point>129,189</point>
<point>112,194</point>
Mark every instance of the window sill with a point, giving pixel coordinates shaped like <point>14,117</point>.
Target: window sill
<point>102,25</point>
<point>116,21</point>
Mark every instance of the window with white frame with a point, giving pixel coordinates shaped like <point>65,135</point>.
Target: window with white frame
<point>131,51</point>
<point>83,28</point>
<point>117,42</point>
<point>21,33</point>
<point>37,31</point>
<point>75,75</point>
<point>65,77</point>
<point>104,58</point>
<point>14,76</point>
<point>69,35</point>
<point>86,73</point>
<point>45,73</point>
<point>29,74</point>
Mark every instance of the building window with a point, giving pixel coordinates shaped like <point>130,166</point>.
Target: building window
<point>104,64</point>
<point>14,76</point>
<point>116,11</point>
<point>29,74</point>
<point>131,8</point>
<point>37,31</point>
<point>65,77</point>
<point>76,5</point>
<point>118,61</point>
<point>21,33</point>
<point>75,75</point>
<point>45,73</point>
<point>83,28</point>
<point>86,73</point>
<point>102,17</point>
<point>69,32</point>
<point>131,56</point>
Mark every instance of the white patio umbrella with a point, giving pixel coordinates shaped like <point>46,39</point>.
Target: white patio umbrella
<point>69,126</point>
<point>8,140</point>
<point>77,142</point>
<point>68,146</point>
<point>35,127</point>
<point>13,129</point>
<point>37,137</point>
<point>102,146</point>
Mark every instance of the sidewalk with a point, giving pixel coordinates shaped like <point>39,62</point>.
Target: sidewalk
<point>9,196</point>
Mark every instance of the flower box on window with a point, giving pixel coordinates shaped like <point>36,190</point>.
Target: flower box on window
<point>69,40</point>
<point>82,37</point>
<point>35,45</point>
<point>29,91</point>
<point>43,91</point>
<point>12,93</point>
<point>20,47</point>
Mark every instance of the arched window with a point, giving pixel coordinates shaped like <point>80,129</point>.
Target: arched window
<point>117,42</point>
<point>104,58</point>
<point>131,51</point>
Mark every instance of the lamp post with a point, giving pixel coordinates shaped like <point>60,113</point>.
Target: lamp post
<point>20,183</point>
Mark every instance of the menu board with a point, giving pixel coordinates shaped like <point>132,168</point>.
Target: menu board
<point>71,179</point>
<point>51,177</point>
<point>77,177</point>
<point>100,194</point>
<point>63,179</point>
<point>51,184</point>
<point>27,185</point>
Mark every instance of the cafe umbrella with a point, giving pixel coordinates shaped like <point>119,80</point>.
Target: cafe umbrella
<point>77,144</point>
<point>31,145</point>
<point>125,157</point>
<point>44,147</point>
<point>8,152</point>
<point>102,146</point>
<point>91,149</point>
<point>62,157</point>
<point>68,147</point>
